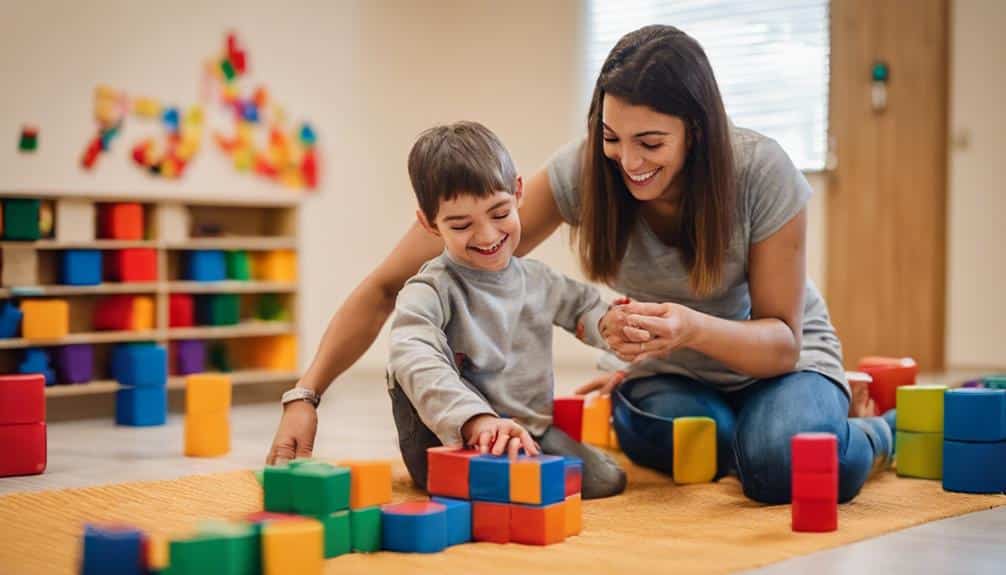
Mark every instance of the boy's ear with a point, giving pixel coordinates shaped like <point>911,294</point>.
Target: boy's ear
<point>519,190</point>
<point>430,227</point>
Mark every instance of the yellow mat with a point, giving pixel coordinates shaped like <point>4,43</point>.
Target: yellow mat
<point>654,527</point>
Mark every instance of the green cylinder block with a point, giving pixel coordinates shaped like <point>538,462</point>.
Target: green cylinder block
<point>919,454</point>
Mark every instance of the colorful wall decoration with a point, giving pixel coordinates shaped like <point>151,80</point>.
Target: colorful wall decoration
<point>261,143</point>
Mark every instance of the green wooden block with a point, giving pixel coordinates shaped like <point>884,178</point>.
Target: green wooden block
<point>198,555</point>
<point>337,529</point>
<point>269,308</point>
<point>320,489</point>
<point>277,488</point>
<point>243,545</point>
<point>997,381</point>
<point>365,527</point>
<point>218,309</point>
<point>920,408</point>
<point>238,266</point>
<point>919,454</point>
<point>20,219</point>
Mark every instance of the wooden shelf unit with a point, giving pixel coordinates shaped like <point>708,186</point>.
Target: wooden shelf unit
<point>251,223</point>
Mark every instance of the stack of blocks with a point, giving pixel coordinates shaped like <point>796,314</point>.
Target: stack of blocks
<point>814,464</point>
<point>919,438</point>
<point>207,415</point>
<point>888,373</point>
<point>22,425</point>
<point>974,447</point>
<point>142,370</point>
<point>531,500</point>
<point>586,419</point>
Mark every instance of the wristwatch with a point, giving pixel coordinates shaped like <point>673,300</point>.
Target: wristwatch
<point>301,393</point>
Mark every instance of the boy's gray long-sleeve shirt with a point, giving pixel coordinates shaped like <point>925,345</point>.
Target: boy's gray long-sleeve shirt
<point>466,342</point>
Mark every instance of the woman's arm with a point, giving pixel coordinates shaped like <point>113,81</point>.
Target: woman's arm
<point>765,346</point>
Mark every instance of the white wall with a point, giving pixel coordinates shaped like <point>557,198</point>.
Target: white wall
<point>976,232</point>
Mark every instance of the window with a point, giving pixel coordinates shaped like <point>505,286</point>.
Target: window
<point>770,58</point>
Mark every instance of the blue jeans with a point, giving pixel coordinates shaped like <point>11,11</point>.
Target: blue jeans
<point>753,427</point>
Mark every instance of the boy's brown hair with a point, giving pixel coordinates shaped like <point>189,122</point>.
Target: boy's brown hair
<point>460,158</point>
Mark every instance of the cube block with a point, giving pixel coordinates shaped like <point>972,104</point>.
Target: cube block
<point>20,219</point>
<point>277,488</point>
<point>218,309</point>
<point>320,489</point>
<point>132,265</point>
<point>567,415</point>
<point>919,454</point>
<point>121,221</point>
<point>538,480</point>
<point>975,414</point>
<point>207,394</point>
<point>206,266</point>
<point>489,478</point>
<point>181,310</point>
<point>491,521</point>
<point>597,420</point>
<point>448,471</point>
<point>80,267</point>
<point>538,524</point>
<point>200,554</point>
<point>293,547</point>
<point>974,467</point>
<point>238,265</point>
<point>45,319</point>
<point>414,527</point>
<point>112,550</point>
<point>22,448</point>
<point>141,406</point>
<point>207,435</point>
<point>365,528</point>
<point>370,483</point>
<point>338,538</point>
<point>920,408</point>
<point>459,519</point>
<point>75,363</point>
<point>190,357</point>
<point>139,365</point>
<point>22,398</point>
<point>694,449</point>
<point>240,543</point>
<point>114,313</point>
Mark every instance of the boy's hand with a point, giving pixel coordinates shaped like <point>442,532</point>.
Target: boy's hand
<point>491,434</point>
<point>295,436</point>
<point>606,383</point>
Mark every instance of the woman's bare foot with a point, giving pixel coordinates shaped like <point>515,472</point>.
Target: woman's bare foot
<point>861,404</point>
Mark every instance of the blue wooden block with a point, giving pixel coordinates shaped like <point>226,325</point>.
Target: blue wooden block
<point>974,414</point>
<point>10,320</point>
<point>414,527</point>
<point>112,551</point>
<point>459,519</point>
<point>80,268</point>
<point>140,365</point>
<point>36,360</point>
<point>973,467</point>
<point>489,478</point>
<point>141,406</point>
<point>553,478</point>
<point>206,266</point>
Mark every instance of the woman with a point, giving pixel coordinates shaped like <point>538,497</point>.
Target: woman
<point>703,226</point>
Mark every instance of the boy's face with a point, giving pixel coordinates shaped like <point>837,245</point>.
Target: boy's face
<point>481,233</point>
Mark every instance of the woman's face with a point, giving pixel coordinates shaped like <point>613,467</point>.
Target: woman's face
<point>648,147</point>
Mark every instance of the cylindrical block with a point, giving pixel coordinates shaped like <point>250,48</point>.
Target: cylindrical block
<point>888,375</point>
<point>694,449</point>
<point>814,516</point>
<point>814,452</point>
<point>974,414</point>
<point>920,454</point>
<point>920,408</point>
<point>974,467</point>
<point>207,435</point>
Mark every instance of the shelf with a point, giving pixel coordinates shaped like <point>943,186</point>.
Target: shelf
<point>243,377</point>
<point>245,329</point>
<point>91,245</point>
<point>93,337</point>
<point>231,287</point>
<point>61,290</point>
<point>236,243</point>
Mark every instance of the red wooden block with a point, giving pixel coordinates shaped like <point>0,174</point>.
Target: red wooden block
<point>567,415</point>
<point>447,471</point>
<point>22,398</point>
<point>815,516</point>
<point>538,524</point>
<point>814,452</point>
<point>121,221</point>
<point>491,522</point>
<point>574,479</point>
<point>888,373</point>
<point>22,449</point>
<point>810,486</point>
<point>181,310</point>
<point>114,313</point>
<point>132,265</point>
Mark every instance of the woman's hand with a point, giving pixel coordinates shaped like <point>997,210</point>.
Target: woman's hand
<point>654,329</point>
<point>295,436</point>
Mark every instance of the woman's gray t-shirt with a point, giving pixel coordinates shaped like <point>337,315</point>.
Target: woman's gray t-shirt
<point>771,191</point>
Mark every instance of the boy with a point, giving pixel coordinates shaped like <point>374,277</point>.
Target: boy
<point>471,341</point>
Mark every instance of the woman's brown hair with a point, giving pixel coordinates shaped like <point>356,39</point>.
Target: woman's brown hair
<point>664,69</point>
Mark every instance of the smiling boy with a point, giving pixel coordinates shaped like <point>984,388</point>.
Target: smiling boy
<point>471,340</point>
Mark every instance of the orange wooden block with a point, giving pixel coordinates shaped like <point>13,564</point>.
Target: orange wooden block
<point>207,393</point>
<point>574,515</point>
<point>491,521</point>
<point>45,318</point>
<point>121,221</point>
<point>538,524</point>
<point>142,318</point>
<point>293,547</point>
<point>207,435</point>
<point>447,471</point>
<point>597,420</point>
<point>370,483</point>
<point>276,266</point>
<point>525,481</point>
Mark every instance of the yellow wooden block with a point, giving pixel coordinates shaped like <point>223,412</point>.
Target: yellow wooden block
<point>45,318</point>
<point>574,515</point>
<point>276,266</point>
<point>207,435</point>
<point>920,408</point>
<point>293,547</point>
<point>143,313</point>
<point>596,428</point>
<point>370,483</point>
<point>694,449</point>
<point>525,481</point>
<point>919,454</point>
<point>207,393</point>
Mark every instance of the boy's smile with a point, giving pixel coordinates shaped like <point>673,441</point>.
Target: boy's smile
<point>481,233</point>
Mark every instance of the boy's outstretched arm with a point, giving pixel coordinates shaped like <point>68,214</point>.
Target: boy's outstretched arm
<point>577,307</point>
